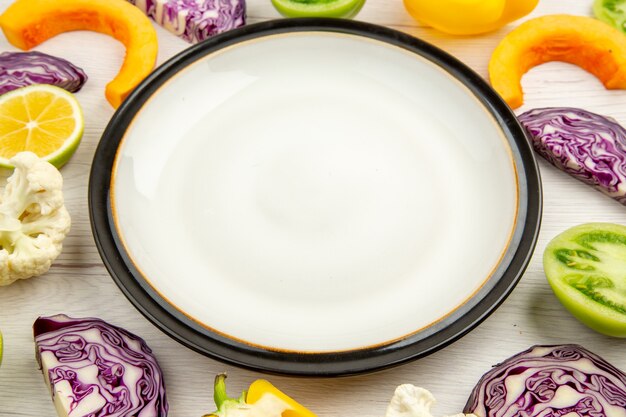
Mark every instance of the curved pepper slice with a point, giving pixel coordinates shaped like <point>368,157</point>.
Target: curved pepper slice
<point>468,17</point>
<point>583,41</point>
<point>27,23</point>
<point>262,399</point>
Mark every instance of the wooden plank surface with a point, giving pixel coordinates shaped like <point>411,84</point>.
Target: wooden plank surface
<point>79,285</point>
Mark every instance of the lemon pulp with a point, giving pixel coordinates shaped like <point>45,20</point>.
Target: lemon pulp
<point>43,119</point>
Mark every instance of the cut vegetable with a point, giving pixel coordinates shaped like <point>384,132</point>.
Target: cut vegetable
<point>586,268</point>
<point>195,20</point>
<point>33,219</point>
<point>551,381</point>
<point>411,401</point>
<point>583,41</point>
<point>20,69</point>
<point>97,369</point>
<point>318,8</point>
<point>42,119</point>
<point>27,23</point>
<point>612,12</point>
<point>468,17</point>
<point>261,400</point>
<point>588,146</point>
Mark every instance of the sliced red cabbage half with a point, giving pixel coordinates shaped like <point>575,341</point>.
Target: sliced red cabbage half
<point>20,69</point>
<point>551,381</point>
<point>586,145</point>
<point>195,20</point>
<point>95,369</point>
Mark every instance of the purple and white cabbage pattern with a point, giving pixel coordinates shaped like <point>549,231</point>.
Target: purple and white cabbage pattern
<point>551,381</point>
<point>95,369</point>
<point>195,20</point>
<point>20,69</point>
<point>588,146</point>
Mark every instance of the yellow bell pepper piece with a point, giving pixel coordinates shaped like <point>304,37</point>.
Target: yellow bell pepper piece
<point>468,17</point>
<point>261,387</point>
<point>261,400</point>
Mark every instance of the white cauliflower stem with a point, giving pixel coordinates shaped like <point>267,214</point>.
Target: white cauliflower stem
<point>33,219</point>
<point>411,401</point>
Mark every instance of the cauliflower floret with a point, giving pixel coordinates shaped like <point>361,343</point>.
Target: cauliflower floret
<point>411,401</point>
<point>33,219</point>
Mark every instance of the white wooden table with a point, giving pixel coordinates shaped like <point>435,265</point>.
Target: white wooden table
<point>79,285</point>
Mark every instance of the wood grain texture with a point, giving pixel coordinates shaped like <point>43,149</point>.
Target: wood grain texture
<point>79,285</point>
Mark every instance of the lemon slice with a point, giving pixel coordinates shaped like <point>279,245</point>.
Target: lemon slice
<point>43,119</point>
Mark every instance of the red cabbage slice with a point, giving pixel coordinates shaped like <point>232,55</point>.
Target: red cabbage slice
<point>551,381</point>
<point>20,69</point>
<point>195,20</point>
<point>588,146</point>
<point>95,369</point>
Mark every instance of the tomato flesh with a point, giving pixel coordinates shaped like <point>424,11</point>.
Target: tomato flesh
<point>318,8</point>
<point>586,268</point>
<point>612,12</point>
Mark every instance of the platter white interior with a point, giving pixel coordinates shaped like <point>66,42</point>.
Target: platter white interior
<point>316,192</point>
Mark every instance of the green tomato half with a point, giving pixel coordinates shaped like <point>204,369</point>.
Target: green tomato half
<point>586,268</point>
<point>318,8</point>
<point>612,12</point>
